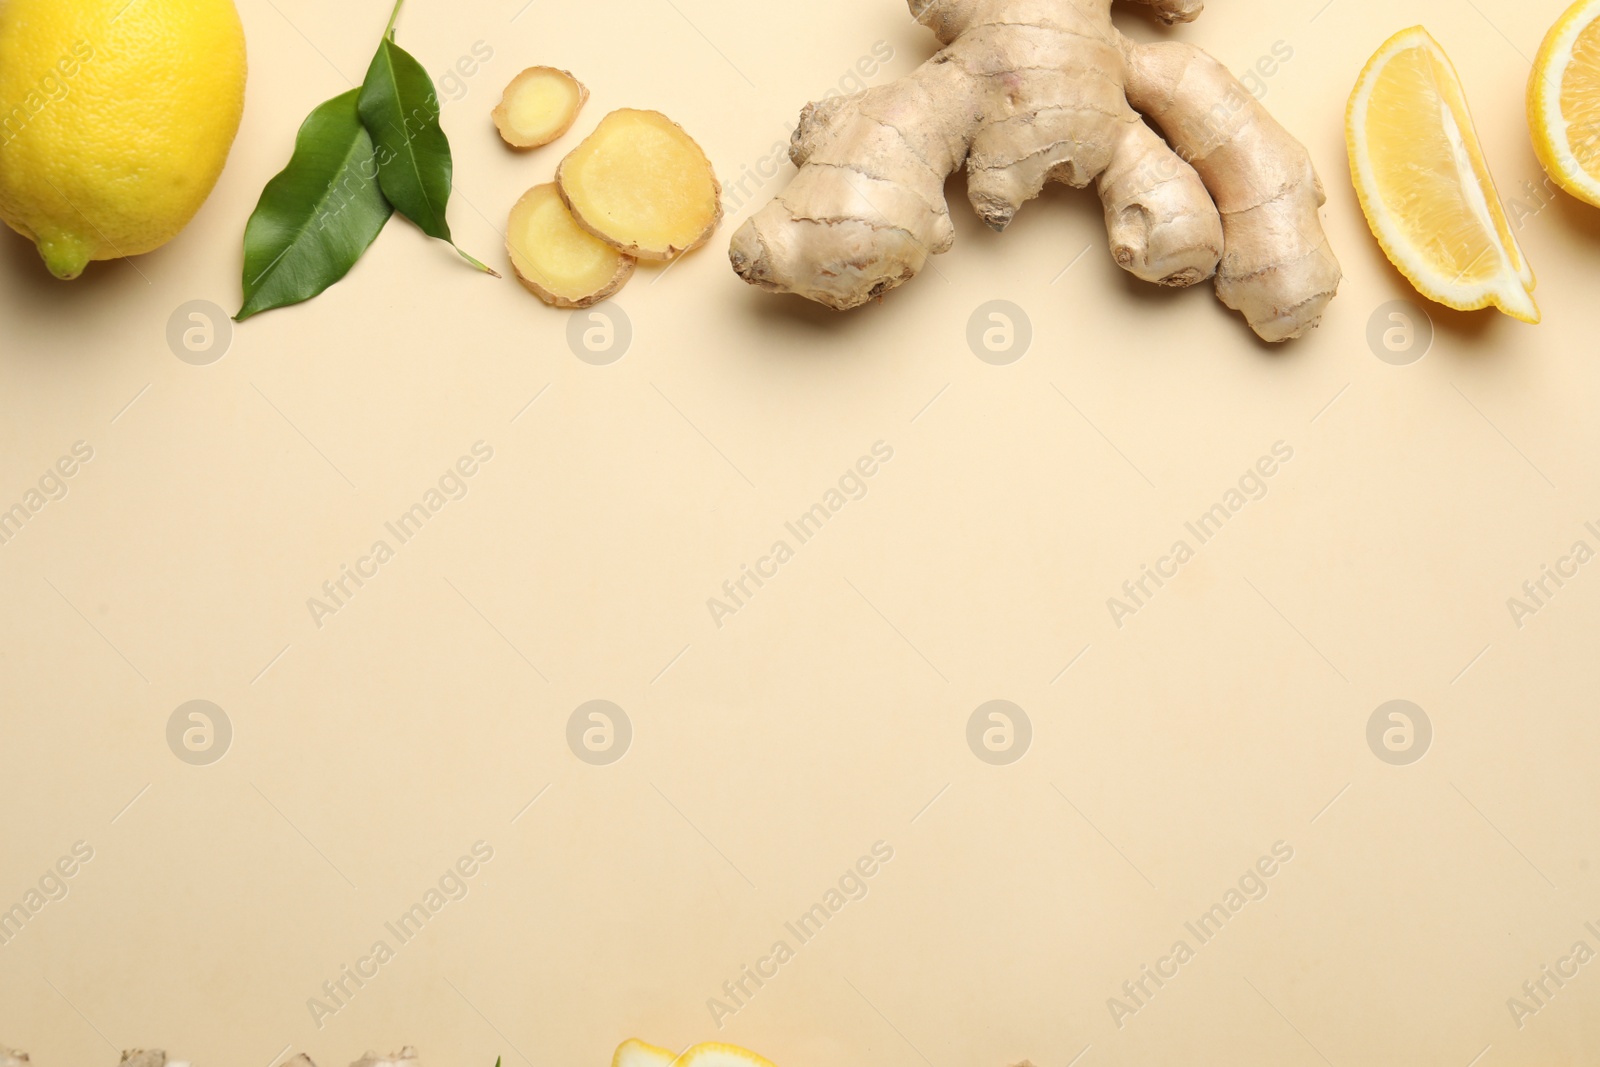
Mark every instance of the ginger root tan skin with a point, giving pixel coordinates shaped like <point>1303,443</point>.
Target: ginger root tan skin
<point>1026,92</point>
<point>539,105</point>
<point>406,1057</point>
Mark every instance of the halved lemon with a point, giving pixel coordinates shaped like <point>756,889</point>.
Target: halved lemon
<point>1424,185</point>
<point>1564,101</point>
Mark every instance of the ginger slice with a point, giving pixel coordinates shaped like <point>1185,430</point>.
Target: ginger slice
<point>561,263</point>
<point>539,105</point>
<point>642,185</point>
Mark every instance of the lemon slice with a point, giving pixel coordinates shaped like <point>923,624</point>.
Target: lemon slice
<point>1564,101</point>
<point>1423,183</point>
<point>636,1053</point>
<point>717,1054</point>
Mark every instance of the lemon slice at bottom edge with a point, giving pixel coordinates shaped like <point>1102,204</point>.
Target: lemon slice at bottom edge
<point>636,1053</point>
<point>1424,185</point>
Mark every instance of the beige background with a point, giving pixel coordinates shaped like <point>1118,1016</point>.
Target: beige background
<point>831,712</point>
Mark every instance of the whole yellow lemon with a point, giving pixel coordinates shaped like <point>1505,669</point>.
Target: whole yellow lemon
<point>116,117</point>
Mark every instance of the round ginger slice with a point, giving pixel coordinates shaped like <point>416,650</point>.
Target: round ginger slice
<point>560,262</point>
<point>539,105</point>
<point>642,185</point>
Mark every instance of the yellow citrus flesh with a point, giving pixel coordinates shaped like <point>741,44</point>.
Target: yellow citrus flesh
<point>636,1053</point>
<point>717,1054</point>
<point>115,120</point>
<point>1564,101</point>
<point>1424,185</point>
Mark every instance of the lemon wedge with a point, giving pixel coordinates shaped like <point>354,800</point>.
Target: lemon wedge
<point>1564,101</point>
<point>717,1054</point>
<point>636,1053</point>
<point>1423,183</point>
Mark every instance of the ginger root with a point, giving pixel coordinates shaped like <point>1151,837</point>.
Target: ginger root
<point>642,185</point>
<point>134,1058</point>
<point>149,1058</point>
<point>557,260</point>
<point>406,1057</point>
<point>1030,91</point>
<point>539,105</point>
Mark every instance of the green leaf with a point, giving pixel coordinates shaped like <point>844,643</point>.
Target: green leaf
<point>401,111</point>
<point>318,216</point>
<point>400,108</point>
